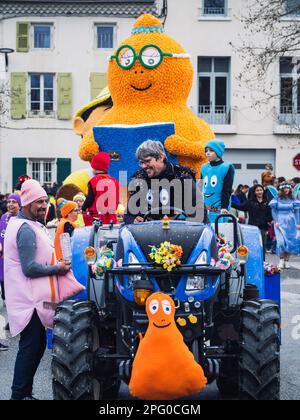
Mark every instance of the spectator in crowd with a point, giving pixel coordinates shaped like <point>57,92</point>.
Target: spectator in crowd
<point>30,281</point>
<point>267,175</point>
<point>287,224</point>
<point>79,199</point>
<point>281,179</point>
<point>295,181</point>
<point>67,224</point>
<point>13,208</point>
<point>258,210</point>
<point>250,192</point>
<point>54,189</point>
<point>21,180</point>
<point>103,192</point>
<point>242,195</point>
<point>51,213</point>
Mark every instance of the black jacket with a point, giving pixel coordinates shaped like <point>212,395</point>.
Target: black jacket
<point>158,197</point>
<point>260,214</point>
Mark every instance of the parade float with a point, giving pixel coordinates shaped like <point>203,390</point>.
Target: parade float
<point>213,275</point>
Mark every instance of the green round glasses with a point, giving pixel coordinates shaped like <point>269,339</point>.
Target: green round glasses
<point>150,56</point>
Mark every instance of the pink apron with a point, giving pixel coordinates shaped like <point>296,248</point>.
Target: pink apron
<point>23,294</point>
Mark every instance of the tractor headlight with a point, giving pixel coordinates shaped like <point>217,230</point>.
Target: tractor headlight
<point>202,259</point>
<point>195,284</point>
<point>133,278</point>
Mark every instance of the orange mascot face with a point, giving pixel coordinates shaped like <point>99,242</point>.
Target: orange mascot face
<point>148,69</point>
<point>164,368</point>
<point>160,310</point>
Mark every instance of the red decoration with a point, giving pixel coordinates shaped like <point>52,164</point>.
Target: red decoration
<point>296,162</point>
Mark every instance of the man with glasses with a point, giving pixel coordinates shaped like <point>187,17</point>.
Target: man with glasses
<point>160,186</point>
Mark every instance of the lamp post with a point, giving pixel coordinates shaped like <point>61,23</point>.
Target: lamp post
<point>6,51</point>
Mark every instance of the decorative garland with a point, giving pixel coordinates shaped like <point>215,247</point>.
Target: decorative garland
<point>167,255</point>
<point>226,259</point>
<point>147,29</point>
<point>104,262</point>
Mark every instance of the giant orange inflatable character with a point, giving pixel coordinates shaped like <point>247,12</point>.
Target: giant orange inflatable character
<point>164,368</point>
<point>150,77</point>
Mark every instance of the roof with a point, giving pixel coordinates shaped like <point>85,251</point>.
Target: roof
<point>121,8</point>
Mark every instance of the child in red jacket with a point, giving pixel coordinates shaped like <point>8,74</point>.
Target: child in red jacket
<point>103,193</point>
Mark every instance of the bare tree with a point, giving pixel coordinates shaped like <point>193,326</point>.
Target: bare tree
<point>271,35</point>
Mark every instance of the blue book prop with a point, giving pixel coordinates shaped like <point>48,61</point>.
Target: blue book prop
<point>121,142</point>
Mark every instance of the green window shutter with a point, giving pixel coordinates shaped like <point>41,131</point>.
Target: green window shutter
<point>98,82</point>
<point>63,169</point>
<point>18,95</point>
<point>19,168</point>
<point>64,96</point>
<point>23,36</point>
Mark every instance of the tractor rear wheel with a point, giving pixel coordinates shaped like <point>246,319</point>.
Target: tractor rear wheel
<point>259,365</point>
<point>76,341</point>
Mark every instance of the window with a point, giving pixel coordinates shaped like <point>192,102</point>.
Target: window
<point>289,90</point>
<point>214,7</point>
<point>292,7</point>
<point>42,34</point>
<point>41,95</point>
<point>214,79</point>
<point>105,36</point>
<point>42,170</point>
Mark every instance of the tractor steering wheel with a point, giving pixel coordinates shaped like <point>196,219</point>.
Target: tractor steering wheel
<point>155,211</point>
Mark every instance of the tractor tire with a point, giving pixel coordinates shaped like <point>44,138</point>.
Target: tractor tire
<point>259,359</point>
<point>75,341</point>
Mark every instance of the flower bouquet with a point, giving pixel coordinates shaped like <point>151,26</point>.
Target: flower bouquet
<point>271,269</point>
<point>167,255</point>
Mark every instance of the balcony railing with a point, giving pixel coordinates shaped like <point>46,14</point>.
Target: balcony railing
<point>214,11</point>
<point>217,115</point>
<point>289,115</point>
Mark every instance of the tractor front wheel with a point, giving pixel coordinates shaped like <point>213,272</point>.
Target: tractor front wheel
<point>259,365</point>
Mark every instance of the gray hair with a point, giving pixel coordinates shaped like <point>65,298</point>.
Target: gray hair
<point>150,148</point>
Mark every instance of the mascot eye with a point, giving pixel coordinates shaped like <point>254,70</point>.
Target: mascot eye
<point>164,197</point>
<point>150,197</point>
<point>151,57</point>
<point>126,58</point>
<point>153,306</point>
<point>205,181</point>
<point>167,308</point>
<point>214,181</point>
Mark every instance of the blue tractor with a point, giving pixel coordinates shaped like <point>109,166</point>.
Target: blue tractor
<point>235,328</point>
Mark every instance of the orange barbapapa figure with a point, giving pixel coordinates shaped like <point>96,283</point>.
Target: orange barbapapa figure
<point>150,77</point>
<point>164,368</point>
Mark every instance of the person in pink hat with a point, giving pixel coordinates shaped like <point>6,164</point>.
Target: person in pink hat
<point>30,271</point>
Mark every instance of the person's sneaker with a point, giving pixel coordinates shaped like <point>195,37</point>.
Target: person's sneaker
<point>287,264</point>
<point>3,347</point>
<point>281,263</point>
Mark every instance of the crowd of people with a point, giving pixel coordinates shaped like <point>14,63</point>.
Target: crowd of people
<point>30,259</point>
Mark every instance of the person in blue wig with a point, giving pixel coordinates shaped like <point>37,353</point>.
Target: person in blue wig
<point>285,211</point>
<point>218,177</point>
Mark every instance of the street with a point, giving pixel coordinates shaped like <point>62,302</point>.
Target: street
<point>290,366</point>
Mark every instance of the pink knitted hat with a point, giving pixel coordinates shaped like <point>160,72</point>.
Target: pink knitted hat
<point>31,191</point>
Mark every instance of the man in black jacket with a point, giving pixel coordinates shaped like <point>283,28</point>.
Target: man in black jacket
<point>161,187</point>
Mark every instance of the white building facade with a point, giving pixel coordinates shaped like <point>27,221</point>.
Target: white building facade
<point>60,63</point>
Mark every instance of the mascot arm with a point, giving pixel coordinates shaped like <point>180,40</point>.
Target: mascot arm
<point>88,148</point>
<point>181,146</point>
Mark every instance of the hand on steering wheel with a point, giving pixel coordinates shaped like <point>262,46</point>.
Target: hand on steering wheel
<point>156,211</point>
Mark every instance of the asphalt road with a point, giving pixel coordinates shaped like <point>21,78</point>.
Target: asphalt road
<point>290,356</point>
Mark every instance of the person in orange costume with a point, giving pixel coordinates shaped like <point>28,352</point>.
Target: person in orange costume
<point>154,87</point>
<point>164,368</point>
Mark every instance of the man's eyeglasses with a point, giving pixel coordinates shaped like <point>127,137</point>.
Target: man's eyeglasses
<point>150,56</point>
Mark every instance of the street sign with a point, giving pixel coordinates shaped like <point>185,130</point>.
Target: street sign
<point>296,162</point>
